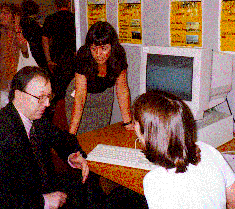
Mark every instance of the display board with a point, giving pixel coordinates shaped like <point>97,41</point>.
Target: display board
<point>227,26</point>
<point>96,11</point>
<point>185,23</point>
<point>129,21</point>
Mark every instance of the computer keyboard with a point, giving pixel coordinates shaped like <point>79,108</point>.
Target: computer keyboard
<point>120,156</point>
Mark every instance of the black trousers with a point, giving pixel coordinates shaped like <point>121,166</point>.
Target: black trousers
<point>91,196</point>
<point>64,72</point>
<point>79,195</point>
<point>124,198</point>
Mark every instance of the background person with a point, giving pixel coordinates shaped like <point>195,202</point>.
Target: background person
<point>59,43</point>
<point>32,31</point>
<point>100,65</point>
<point>27,175</point>
<point>12,42</point>
<point>188,174</point>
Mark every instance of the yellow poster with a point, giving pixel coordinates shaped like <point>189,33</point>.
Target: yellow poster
<point>227,26</point>
<point>186,23</point>
<point>129,21</point>
<point>96,11</point>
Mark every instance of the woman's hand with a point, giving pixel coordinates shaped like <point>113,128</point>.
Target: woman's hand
<point>129,127</point>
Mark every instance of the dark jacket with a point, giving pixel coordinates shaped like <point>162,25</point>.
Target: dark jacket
<point>20,179</point>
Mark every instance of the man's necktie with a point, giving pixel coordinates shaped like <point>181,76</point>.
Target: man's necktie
<point>35,144</point>
<point>33,138</point>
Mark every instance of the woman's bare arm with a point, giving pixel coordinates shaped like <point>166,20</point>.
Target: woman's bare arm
<point>230,195</point>
<point>123,96</point>
<point>22,42</point>
<point>79,101</point>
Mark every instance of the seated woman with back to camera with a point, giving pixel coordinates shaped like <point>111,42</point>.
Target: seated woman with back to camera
<point>189,174</point>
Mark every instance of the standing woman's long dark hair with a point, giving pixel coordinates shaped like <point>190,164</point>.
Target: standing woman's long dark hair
<point>102,33</point>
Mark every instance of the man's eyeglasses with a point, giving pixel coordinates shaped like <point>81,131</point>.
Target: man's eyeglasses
<point>42,98</point>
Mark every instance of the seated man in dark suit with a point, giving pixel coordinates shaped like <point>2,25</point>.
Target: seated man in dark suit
<point>27,177</point>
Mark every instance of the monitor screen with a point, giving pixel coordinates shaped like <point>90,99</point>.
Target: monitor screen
<point>169,73</point>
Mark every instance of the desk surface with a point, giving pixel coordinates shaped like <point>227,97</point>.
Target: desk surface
<point>116,135</point>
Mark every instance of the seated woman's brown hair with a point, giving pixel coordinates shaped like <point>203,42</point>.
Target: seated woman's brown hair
<point>169,130</point>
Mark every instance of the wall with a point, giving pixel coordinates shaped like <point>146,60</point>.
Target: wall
<point>155,22</point>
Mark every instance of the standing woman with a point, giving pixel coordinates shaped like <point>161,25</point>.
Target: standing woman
<point>100,65</point>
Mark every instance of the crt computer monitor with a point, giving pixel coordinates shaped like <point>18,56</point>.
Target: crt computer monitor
<point>185,72</point>
<point>221,77</point>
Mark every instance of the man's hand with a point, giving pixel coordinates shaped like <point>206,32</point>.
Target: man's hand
<point>55,199</point>
<point>78,161</point>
